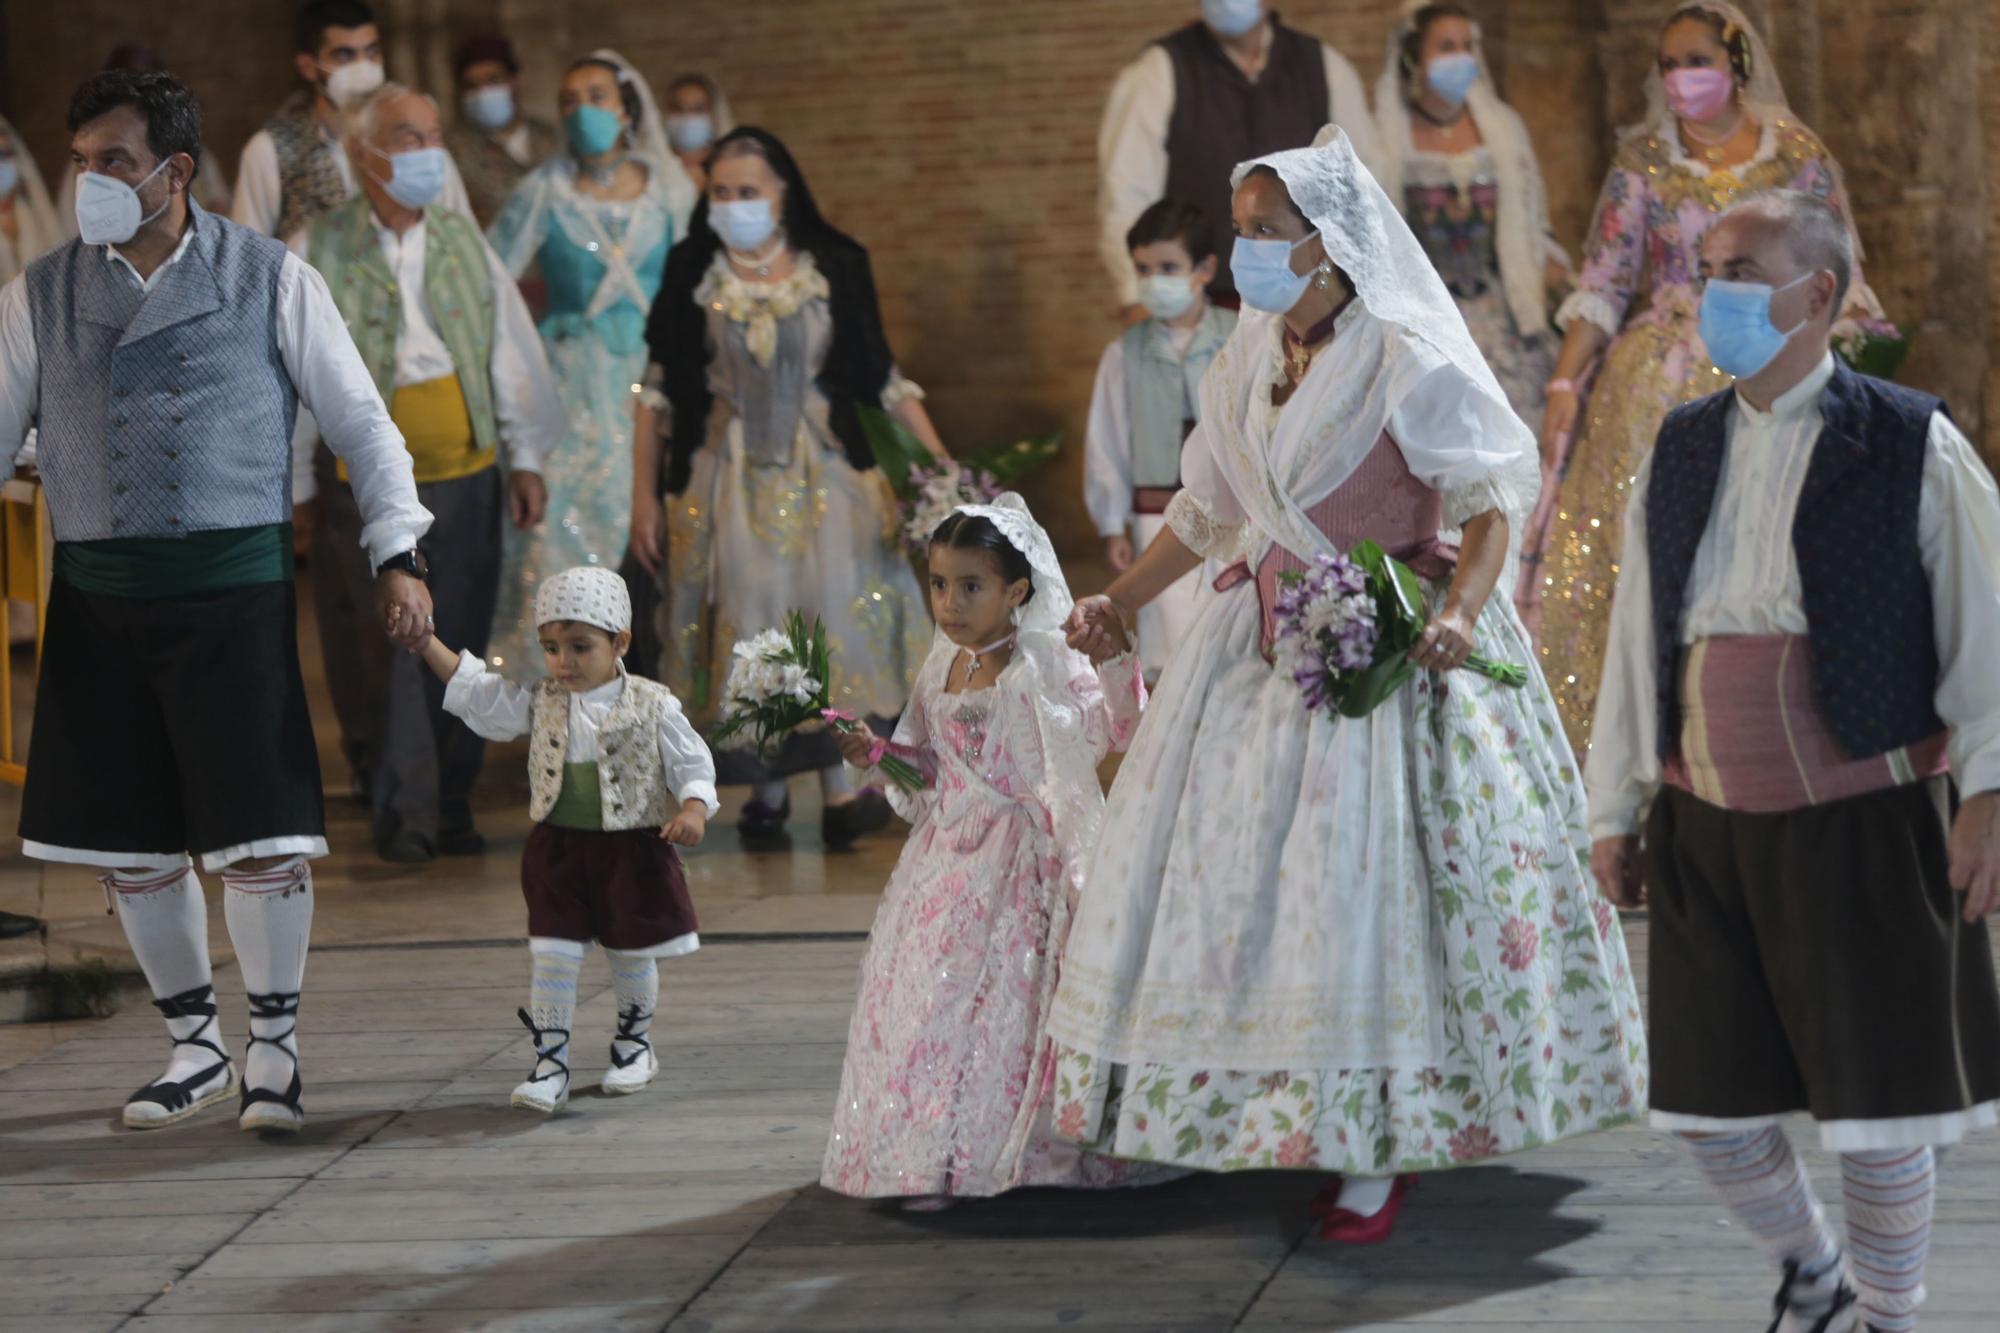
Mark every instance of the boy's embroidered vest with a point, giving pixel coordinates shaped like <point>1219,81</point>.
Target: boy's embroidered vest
<point>630,774</point>
<point>1163,392</point>
<point>458,288</point>
<point>309,179</point>
<point>1867,597</point>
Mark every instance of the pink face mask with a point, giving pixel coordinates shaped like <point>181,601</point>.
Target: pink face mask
<point>1699,94</point>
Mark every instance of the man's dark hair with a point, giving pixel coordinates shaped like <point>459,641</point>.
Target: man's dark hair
<point>1174,220</point>
<point>320,15</point>
<point>170,109</point>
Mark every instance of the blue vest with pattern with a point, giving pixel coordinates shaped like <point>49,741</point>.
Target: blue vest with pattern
<point>1867,598</point>
<point>165,412</point>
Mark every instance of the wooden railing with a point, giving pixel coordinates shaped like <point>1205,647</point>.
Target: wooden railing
<point>26,551</point>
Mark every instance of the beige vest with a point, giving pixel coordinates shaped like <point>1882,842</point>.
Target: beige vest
<point>630,774</point>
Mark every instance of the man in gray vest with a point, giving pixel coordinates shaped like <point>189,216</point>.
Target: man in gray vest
<point>163,356</point>
<point>1234,85</point>
<point>444,331</point>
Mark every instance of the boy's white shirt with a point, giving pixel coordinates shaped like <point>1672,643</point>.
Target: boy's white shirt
<point>1107,440</point>
<point>498,709</point>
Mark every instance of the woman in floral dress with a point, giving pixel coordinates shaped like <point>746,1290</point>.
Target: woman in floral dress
<point>768,341</point>
<point>1718,127</point>
<point>1459,163</point>
<point>1368,945</point>
<point>599,219</point>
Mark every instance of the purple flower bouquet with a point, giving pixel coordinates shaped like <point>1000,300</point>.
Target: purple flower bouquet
<point>1345,628</point>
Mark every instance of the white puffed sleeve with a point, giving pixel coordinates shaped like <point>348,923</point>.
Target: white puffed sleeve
<point>690,767</point>
<point>1463,441</point>
<point>495,708</point>
<point>1205,514</point>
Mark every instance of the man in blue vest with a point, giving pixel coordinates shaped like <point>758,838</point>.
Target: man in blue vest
<point>1801,683</point>
<point>163,356</point>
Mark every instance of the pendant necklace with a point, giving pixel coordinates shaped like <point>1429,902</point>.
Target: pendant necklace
<point>1713,149</point>
<point>761,267</point>
<point>972,662</point>
<point>1299,350</point>
<point>605,177</point>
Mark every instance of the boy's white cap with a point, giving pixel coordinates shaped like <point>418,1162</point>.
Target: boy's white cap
<point>588,595</point>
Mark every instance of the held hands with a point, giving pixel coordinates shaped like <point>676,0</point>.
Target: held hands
<point>404,604</point>
<point>1098,629</point>
<point>1620,875</point>
<point>527,499</point>
<point>687,828</point>
<point>1975,855</point>
<point>1446,641</point>
<point>857,745</point>
<point>1118,553</point>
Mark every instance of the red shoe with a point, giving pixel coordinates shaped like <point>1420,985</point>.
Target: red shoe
<point>1347,1227</point>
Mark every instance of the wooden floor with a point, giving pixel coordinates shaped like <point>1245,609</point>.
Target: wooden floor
<point>417,1200</point>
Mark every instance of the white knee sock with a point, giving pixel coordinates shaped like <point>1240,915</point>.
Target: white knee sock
<point>834,786</point>
<point>635,980</point>
<point>270,922</point>
<point>1760,1179</point>
<point>552,994</point>
<point>772,795</point>
<point>166,923</point>
<point>1890,1198</point>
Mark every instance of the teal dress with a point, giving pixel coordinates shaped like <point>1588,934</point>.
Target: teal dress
<point>602,262</point>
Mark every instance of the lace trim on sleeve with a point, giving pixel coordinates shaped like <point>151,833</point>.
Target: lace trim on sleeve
<point>1198,529</point>
<point>1482,496</point>
<point>1588,305</point>
<point>899,391</point>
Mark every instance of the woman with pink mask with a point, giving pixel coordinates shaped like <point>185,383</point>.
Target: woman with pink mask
<point>1717,128</point>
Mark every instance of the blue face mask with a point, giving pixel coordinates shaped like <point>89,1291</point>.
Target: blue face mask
<point>415,177</point>
<point>1232,18</point>
<point>490,108</point>
<point>1263,274</point>
<point>1451,77</point>
<point>10,176</point>
<point>743,224</point>
<point>690,133</point>
<point>1736,325</point>
<point>592,130</point>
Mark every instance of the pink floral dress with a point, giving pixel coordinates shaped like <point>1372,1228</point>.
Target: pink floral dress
<point>949,1076</point>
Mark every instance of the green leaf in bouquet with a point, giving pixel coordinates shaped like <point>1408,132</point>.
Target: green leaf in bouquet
<point>1371,687</point>
<point>1007,464</point>
<point>896,450</point>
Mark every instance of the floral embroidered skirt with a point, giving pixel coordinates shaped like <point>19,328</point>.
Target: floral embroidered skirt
<point>1364,945</point>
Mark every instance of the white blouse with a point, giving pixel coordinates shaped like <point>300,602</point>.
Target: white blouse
<point>497,709</point>
<point>1745,581</point>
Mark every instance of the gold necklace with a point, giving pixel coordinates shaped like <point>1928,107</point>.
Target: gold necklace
<point>1713,150</point>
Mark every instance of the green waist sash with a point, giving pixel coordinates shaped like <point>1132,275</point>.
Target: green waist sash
<point>154,567</point>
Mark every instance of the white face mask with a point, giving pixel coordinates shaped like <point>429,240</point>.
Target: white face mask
<point>1167,295</point>
<point>108,210</point>
<point>690,133</point>
<point>352,81</point>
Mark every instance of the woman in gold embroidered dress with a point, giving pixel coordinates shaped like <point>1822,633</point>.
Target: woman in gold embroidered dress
<point>1717,127</point>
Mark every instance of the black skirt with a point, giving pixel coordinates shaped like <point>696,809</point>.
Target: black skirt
<point>171,724</point>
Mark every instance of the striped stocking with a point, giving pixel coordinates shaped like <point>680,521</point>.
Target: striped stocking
<point>1761,1181</point>
<point>1890,1197</point>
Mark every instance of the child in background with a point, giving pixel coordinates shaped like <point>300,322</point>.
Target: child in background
<point>947,1086</point>
<point>1145,403</point>
<point>619,780</point>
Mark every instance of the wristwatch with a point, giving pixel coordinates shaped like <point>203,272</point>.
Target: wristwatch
<point>409,562</point>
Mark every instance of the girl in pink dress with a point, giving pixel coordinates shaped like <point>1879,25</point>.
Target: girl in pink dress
<point>948,1082</point>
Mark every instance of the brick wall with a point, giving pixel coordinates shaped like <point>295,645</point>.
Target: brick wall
<point>956,138</point>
